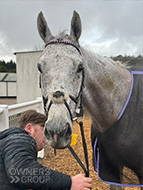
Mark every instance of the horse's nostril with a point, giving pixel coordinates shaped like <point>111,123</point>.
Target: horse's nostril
<point>45,131</point>
<point>58,94</point>
<point>56,134</point>
<point>48,133</point>
<point>51,133</point>
<point>68,130</point>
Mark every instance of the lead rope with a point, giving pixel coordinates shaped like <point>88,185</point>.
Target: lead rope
<point>86,170</point>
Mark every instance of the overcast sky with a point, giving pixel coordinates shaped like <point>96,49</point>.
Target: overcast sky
<point>109,27</point>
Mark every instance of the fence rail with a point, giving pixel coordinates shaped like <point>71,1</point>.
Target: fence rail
<point>9,115</point>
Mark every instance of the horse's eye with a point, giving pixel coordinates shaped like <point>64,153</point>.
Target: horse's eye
<point>39,68</point>
<point>80,68</point>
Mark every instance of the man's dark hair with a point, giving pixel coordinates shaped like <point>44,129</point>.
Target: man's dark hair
<point>33,117</point>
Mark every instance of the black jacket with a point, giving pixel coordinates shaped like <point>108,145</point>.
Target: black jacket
<point>19,169</point>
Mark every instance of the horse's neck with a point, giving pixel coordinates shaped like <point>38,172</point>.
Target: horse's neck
<point>107,85</point>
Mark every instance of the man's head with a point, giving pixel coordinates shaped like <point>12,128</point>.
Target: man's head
<point>33,122</point>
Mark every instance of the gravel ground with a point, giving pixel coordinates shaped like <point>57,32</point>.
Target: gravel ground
<point>64,161</point>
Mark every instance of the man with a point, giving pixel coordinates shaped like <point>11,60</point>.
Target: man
<point>19,169</point>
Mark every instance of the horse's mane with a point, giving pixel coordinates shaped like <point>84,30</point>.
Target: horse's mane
<point>103,59</point>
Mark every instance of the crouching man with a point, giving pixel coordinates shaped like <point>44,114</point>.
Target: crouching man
<point>19,168</point>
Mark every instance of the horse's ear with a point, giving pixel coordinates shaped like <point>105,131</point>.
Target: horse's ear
<point>75,26</point>
<point>43,28</point>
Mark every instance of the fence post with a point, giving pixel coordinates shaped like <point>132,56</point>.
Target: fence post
<point>4,119</point>
<point>41,107</point>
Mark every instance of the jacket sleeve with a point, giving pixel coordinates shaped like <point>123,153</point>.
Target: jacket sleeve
<point>23,170</point>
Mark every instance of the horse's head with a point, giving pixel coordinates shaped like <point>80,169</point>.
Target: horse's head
<point>61,77</point>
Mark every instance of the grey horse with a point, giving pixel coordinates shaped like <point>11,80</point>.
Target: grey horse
<point>71,76</point>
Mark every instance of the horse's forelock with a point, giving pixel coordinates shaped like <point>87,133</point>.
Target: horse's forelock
<point>62,35</point>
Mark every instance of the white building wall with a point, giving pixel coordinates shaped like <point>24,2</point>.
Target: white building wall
<point>27,76</point>
<point>8,89</point>
<point>12,89</point>
<point>2,88</point>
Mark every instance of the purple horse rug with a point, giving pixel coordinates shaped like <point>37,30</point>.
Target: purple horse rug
<point>121,146</point>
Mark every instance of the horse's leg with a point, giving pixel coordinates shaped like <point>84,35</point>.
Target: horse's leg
<point>115,187</point>
<point>141,182</point>
<point>140,178</point>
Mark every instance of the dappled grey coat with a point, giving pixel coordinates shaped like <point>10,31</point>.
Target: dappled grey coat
<point>19,169</point>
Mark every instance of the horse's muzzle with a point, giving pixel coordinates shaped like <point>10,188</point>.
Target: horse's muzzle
<point>58,138</point>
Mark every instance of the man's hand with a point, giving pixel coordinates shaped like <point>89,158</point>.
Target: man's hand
<point>80,182</point>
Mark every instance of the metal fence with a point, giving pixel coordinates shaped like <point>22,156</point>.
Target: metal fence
<point>14,120</point>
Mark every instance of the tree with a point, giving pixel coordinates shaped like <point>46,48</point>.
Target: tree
<point>8,66</point>
<point>3,69</point>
